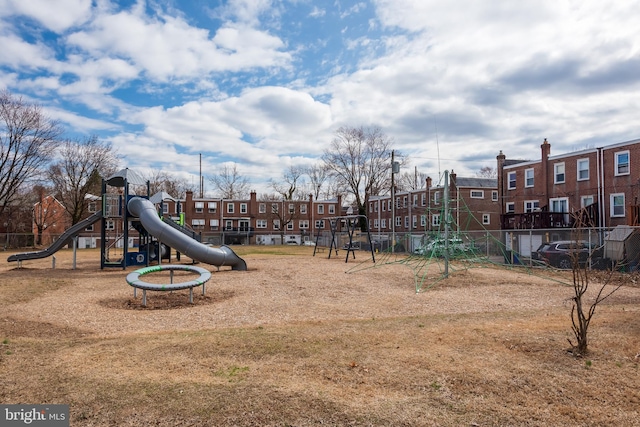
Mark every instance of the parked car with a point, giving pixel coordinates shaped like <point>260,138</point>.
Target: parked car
<point>436,247</point>
<point>562,253</point>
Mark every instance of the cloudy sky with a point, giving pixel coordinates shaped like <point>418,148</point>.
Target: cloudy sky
<point>264,84</point>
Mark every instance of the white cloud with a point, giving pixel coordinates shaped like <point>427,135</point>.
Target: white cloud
<point>56,16</point>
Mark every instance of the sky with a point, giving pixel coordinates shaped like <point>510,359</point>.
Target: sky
<point>183,86</point>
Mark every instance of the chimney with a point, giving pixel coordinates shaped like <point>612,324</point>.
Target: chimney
<point>545,149</point>
<point>501,158</point>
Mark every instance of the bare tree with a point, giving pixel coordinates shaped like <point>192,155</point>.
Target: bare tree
<point>281,211</point>
<point>78,172</point>
<point>583,304</point>
<point>289,188</point>
<point>160,180</point>
<point>407,181</point>
<point>360,159</point>
<point>318,176</point>
<point>487,172</point>
<point>230,184</point>
<point>28,139</point>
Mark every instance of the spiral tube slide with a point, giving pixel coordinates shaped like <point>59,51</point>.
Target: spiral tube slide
<point>146,211</point>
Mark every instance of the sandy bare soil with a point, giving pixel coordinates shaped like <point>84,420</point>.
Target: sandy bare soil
<point>303,340</point>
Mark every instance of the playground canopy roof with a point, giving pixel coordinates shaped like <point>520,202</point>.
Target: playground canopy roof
<point>131,177</point>
<point>160,197</point>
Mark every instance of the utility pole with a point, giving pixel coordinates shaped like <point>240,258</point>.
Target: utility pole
<point>395,168</point>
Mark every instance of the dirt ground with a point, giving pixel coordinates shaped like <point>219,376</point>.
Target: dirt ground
<point>299,340</point>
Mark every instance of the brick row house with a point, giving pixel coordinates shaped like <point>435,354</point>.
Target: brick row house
<point>552,198</point>
<point>598,186</point>
<point>252,221</point>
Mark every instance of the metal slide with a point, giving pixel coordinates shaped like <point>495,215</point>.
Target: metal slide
<point>146,211</point>
<point>65,238</point>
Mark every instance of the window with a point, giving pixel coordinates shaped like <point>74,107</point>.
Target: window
<point>560,204</point>
<point>383,223</point>
<point>528,177</point>
<point>228,224</point>
<point>321,209</point>
<point>586,201</point>
<point>92,207</point>
<point>622,163</point>
<point>89,228</point>
<point>197,223</point>
<point>213,207</point>
<point>199,207</point>
<point>558,173</point>
<point>376,223</point>
<point>435,220</point>
<point>274,208</point>
<point>617,205</point>
<point>404,202</point>
<point>230,208</point>
<point>583,169</point>
<point>384,206</point>
<point>243,208</point>
<point>531,206</point>
<point>292,208</point>
<point>423,199</point>
<point>332,209</point>
<point>214,224</point>
<point>494,195</point>
<point>477,194</point>
<point>262,208</point>
<point>406,222</point>
<point>414,221</point>
<point>415,200</point>
<point>511,179</point>
<point>436,197</point>
<point>165,207</point>
<point>303,224</point>
<point>510,207</point>
<point>423,220</point>
<point>243,225</point>
<point>276,224</point>
<point>290,225</point>
<point>486,219</point>
<point>320,223</point>
<point>398,221</point>
<point>261,223</point>
<point>109,225</point>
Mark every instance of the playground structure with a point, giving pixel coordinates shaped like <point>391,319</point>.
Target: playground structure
<point>351,223</point>
<point>123,214</point>
<point>133,279</point>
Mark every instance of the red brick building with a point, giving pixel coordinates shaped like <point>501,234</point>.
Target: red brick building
<point>598,185</point>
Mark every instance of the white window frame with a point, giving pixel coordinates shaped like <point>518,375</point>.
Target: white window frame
<point>228,224</point>
<point>262,208</point>
<point>559,200</point>
<point>290,226</point>
<point>332,209</point>
<point>243,208</point>
<point>531,206</point>
<point>510,207</point>
<point>303,209</point>
<point>214,224</point>
<point>494,195</point>
<point>622,168</point>
<point>320,209</point>
<point>486,219</point>
<point>303,224</point>
<point>582,170</point>
<point>529,176</point>
<point>423,220</point>
<point>559,173</point>
<point>276,224</point>
<point>511,180</point>
<point>261,223</point>
<point>231,208</point>
<point>435,220</point>
<point>212,207</point>
<point>621,207</point>
<point>583,201</point>
<point>199,206</point>
<point>383,223</point>
<point>479,194</point>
